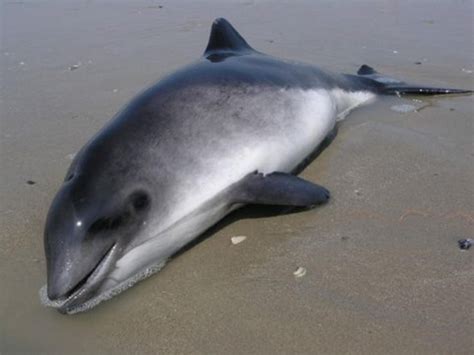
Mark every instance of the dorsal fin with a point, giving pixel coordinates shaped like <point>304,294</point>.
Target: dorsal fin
<point>366,70</point>
<point>224,37</point>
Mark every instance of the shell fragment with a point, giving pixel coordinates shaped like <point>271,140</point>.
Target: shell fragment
<point>238,239</point>
<point>300,272</point>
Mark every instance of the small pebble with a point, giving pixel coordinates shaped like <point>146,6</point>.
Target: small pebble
<point>238,239</point>
<point>395,52</point>
<point>464,244</point>
<point>344,238</point>
<point>417,63</point>
<point>115,90</point>
<point>300,272</point>
<point>30,182</point>
<point>21,63</point>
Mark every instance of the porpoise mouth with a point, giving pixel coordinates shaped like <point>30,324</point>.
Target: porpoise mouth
<point>85,289</point>
<point>85,296</point>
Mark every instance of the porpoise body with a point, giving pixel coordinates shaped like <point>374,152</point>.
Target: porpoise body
<point>228,130</point>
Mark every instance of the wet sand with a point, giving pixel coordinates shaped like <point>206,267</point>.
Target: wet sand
<point>384,273</point>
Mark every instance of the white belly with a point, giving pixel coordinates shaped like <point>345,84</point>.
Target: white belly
<point>293,128</point>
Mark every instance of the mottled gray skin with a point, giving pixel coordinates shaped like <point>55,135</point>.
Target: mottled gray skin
<point>162,169</point>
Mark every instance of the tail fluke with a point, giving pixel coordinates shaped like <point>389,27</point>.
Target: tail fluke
<point>422,90</point>
<point>391,86</point>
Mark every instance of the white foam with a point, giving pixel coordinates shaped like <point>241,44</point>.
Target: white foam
<point>403,108</point>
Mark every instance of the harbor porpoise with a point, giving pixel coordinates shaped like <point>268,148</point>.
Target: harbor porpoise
<point>231,129</point>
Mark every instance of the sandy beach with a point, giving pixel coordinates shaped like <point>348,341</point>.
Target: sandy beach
<point>384,274</point>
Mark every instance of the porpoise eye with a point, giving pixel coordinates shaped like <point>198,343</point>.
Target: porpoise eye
<point>100,225</point>
<point>140,201</point>
<point>109,224</point>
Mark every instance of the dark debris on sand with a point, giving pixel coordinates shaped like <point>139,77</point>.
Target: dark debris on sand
<point>464,244</point>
